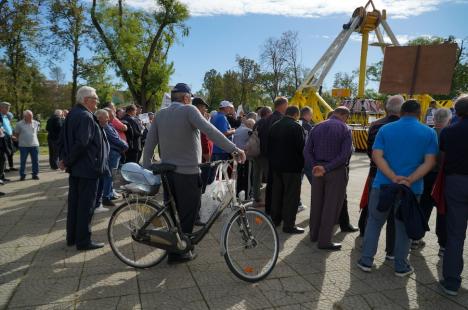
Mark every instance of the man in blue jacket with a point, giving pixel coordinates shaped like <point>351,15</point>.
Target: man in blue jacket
<point>404,152</point>
<point>84,158</point>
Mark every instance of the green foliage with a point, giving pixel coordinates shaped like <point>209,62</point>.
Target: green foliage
<point>346,80</point>
<point>69,30</point>
<point>137,43</point>
<point>19,26</point>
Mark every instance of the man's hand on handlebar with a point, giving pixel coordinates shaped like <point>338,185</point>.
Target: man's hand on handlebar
<point>239,156</point>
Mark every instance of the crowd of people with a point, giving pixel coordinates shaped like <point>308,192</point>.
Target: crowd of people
<point>410,162</point>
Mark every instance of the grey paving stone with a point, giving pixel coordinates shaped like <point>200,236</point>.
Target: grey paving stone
<point>38,270</point>
<point>157,279</point>
<point>187,299</point>
<point>108,285</point>
<point>290,290</point>
<point>127,302</point>
<point>37,291</point>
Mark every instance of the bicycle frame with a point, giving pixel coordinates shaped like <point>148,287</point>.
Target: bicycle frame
<point>169,204</point>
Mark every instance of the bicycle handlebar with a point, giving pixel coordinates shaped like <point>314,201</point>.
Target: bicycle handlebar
<point>212,164</point>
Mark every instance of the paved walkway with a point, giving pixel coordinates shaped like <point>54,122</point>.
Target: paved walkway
<point>37,269</point>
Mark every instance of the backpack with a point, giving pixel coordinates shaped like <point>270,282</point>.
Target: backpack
<point>252,148</point>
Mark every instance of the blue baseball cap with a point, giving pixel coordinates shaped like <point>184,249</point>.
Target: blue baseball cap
<point>182,88</point>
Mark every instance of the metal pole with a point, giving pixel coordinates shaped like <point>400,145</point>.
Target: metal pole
<point>362,67</point>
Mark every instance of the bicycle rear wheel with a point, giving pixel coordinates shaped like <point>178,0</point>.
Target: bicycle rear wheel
<point>125,221</point>
<point>251,244</point>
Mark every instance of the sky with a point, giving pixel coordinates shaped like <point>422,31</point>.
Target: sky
<point>222,29</point>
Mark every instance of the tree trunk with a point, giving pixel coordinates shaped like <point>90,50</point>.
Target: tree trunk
<point>76,48</point>
<point>113,53</point>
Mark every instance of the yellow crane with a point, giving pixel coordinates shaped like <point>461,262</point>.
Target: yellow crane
<point>365,20</point>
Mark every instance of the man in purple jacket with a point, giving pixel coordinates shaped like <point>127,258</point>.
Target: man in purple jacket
<point>328,148</point>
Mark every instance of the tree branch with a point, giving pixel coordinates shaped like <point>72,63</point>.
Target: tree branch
<point>123,70</point>
<point>151,52</point>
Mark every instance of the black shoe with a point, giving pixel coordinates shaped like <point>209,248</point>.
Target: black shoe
<point>91,246</point>
<point>332,247</point>
<point>349,228</point>
<point>6,180</point>
<point>108,203</point>
<point>180,258</point>
<point>22,178</point>
<point>35,177</point>
<point>13,169</point>
<point>293,230</point>
<point>2,194</point>
<point>6,170</point>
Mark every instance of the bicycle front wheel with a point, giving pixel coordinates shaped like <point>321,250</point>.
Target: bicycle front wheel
<point>123,224</point>
<point>251,244</point>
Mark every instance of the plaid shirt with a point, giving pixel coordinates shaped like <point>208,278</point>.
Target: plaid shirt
<point>329,144</point>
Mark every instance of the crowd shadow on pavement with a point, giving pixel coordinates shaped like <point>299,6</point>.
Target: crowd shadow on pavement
<point>38,270</point>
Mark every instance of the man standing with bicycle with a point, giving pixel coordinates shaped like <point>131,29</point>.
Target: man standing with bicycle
<point>176,130</point>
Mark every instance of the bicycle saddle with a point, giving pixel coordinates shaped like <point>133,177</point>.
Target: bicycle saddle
<point>162,168</point>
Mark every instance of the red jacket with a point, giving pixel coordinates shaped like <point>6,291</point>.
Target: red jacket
<point>207,146</point>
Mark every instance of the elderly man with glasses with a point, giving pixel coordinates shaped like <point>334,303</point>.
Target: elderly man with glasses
<point>85,159</point>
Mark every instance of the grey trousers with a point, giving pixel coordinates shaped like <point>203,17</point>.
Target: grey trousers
<point>260,169</point>
<point>456,216</point>
<point>286,193</point>
<point>328,193</point>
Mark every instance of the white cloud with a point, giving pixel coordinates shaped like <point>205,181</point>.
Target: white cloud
<point>403,39</point>
<point>301,8</point>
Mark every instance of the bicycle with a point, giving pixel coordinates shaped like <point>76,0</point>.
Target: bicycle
<point>142,231</point>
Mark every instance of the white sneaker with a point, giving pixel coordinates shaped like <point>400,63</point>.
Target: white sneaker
<point>301,208</point>
<point>101,209</point>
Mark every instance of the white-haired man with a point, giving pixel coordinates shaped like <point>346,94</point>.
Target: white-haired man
<point>26,134</point>
<point>84,157</point>
<point>54,127</point>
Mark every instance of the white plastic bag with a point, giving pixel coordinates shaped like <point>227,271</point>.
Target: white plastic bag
<point>216,194</point>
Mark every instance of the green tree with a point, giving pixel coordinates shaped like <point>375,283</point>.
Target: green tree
<point>346,80</point>
<point>232,87</point>
<point>137,43</point>
<point>19,35</point>
<point>69,27</point>
<point>249,72</point>
<point>213,86</point>
<point>95,73</point>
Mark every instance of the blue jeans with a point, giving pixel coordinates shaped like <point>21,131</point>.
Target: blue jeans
<point>374,225</point>
<point>107,189</point>
<point>456,219</point>
<point>24,152</point>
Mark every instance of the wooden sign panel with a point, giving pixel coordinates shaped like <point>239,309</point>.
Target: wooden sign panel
<point>418,69</point>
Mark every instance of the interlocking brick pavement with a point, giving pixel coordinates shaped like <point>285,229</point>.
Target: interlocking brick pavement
<point>38,271</point>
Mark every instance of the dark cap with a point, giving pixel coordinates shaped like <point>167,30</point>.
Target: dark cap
<point>197,101</point>
<point>182,88</point>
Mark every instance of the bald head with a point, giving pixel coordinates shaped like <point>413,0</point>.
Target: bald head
<point>28,116</point>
